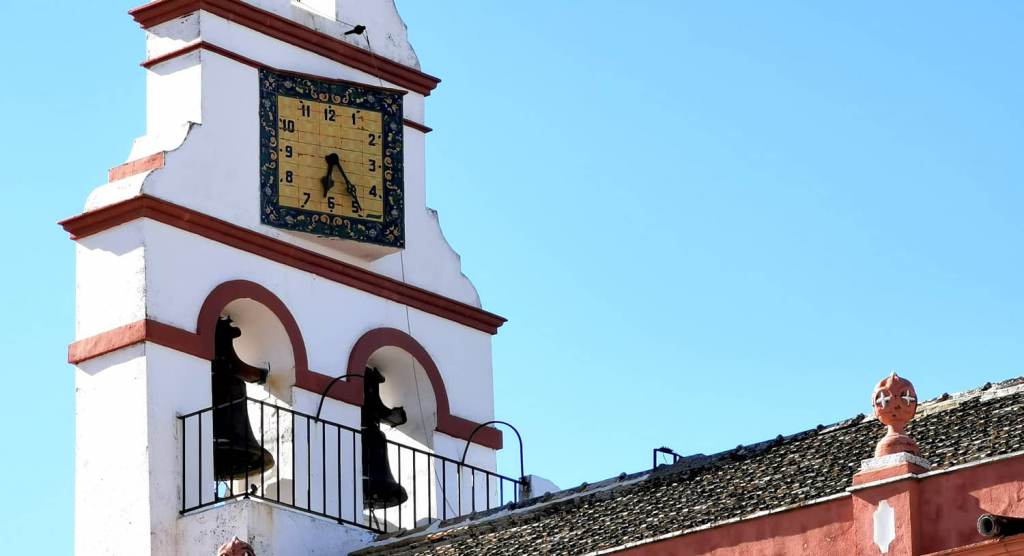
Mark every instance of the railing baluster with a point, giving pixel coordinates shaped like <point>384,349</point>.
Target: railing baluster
<point>399,451</point>
<point>338,430</point>
<point>372,516</point>
<point>184,475</point>
<point>277,448</point>
<point>430,490</point>
<point>295,465</point>
<point>245,483</point>
<point>414,473</point>
<point>309,468</point>
<point>323,465</point>
<point>355,515</point>
<point>199,475</point>
<point>263,463</point>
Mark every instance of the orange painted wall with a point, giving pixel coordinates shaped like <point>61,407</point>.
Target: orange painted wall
<point>818,529</point>
<point>951,503</point>
<point>947,508</point>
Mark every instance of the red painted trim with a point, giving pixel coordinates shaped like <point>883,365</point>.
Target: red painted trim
<point>172,54</point>
<point>417,126</point>
<point>231,55</point>
<point>201,344</point>
<point>138,166</point>
<point>352,391</point>
<point>288,31</point>
<point>222,295</point>
<point>282,252</point>
<point>106,342</point>
<point>139,331</point>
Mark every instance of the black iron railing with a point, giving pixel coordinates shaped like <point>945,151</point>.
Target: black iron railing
<point>318,469</point>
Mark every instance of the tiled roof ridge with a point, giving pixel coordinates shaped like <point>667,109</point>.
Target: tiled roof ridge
<point>512,512</point>
<point>534,509</point>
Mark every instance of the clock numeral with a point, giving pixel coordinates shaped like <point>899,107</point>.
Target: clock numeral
<point>373,139</point>
<point>288,125</point>
<point>353,118</point>
<point>373,191</point>
<point>373,165</point>
<point>288,151</point>
<point>330,203</point>
<point>355,206</point>
<point>329,114</point>
<point>289,176</point>
<point>305,198</point>
<point>305,110</point>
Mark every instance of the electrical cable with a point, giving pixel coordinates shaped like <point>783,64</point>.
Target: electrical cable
<point>438,483</point>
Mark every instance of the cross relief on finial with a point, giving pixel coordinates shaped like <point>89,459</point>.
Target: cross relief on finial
<point>895,402</point>
<point>882,400</point>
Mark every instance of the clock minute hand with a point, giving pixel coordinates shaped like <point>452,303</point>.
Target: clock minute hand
<point>332,161</point>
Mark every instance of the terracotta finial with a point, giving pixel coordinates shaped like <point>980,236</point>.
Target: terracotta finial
<point>236,547</point>
<point>895,402</point>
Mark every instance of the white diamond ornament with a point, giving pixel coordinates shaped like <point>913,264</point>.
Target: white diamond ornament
<point>885,526</point>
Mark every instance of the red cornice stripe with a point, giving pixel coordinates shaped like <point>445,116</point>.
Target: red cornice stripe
<point>282,252</point>
<point>286,30</point>
<point>194,344</point>
<point>173,54</point>
<point>232,55</point>
<point>136,166</point>
<point>417,126</point>
<point>131,334</point>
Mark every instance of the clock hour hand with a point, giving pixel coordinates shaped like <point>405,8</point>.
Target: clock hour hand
<point>334,161</point>
<point>326,181</point>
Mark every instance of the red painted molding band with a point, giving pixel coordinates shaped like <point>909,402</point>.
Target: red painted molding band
<point>138,166</point>
<point>231,55</point>
<point>417,126</point>
<point>201,345</point>
<point>288,31</point>
<point>130,334</point>
<point>173,54</point>
<point>391,337</point>
<point>282,252</point>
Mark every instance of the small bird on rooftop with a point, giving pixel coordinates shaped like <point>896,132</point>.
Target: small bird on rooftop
<point>357,30</point>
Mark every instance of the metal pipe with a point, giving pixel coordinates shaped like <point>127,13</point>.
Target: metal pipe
<point>992,525</point>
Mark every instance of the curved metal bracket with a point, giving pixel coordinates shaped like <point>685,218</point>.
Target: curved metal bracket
<point>522,474</point>
<point>323,394</point>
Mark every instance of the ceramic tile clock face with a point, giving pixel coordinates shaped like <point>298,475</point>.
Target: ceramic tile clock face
<point>309,133</point>
<point>331,158</point>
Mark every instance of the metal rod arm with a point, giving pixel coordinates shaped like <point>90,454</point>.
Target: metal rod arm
<point>522,473</point>
<point>323,394</point>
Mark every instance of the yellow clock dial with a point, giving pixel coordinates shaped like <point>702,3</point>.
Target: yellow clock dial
<point>330,159</point>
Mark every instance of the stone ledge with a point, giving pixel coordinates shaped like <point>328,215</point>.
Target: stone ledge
<point>891,460</point>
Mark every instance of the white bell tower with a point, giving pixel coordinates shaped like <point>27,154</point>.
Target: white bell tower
<point>179,240</point>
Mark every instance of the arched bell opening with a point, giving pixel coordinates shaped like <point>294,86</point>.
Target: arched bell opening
<point>264,343</point>
<point>406,385</point>
<point>256,351</point>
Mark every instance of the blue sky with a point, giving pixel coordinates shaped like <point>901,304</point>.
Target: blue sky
<point>708,223</point>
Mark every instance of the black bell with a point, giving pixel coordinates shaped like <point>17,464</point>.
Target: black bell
<point>236,451</point>
<point>380,490</point>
